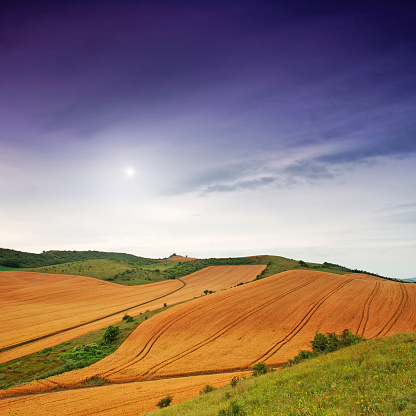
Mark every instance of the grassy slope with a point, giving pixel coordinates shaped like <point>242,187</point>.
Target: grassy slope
<point>128,269</point>
<point>47,258</point>
<point>376,377</point>
<point>117,271</point>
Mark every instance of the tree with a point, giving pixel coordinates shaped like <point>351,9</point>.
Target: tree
<point>111,334</point>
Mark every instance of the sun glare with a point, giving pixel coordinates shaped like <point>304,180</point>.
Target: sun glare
<point>130,172</point>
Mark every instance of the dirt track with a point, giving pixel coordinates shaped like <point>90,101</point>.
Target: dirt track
<point>41,310</point>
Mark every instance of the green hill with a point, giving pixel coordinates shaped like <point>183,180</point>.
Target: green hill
<point>20,259</point>
<point>128,269</point>
<point>116,271</point>
<point>376,377</point>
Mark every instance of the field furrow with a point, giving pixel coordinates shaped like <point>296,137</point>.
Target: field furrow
<point>42,310</point>
<point>268,320</point>
<point>366,310</point>
<point>305,319</point>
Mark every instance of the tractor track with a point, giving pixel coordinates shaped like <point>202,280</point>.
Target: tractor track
<point>398,312</point>
<point>223,330</point>
<point>153,339</point>
<point>61,331</point>
<point>306,318</point>
<point>366,310</point>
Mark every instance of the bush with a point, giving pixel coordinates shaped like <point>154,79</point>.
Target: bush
<point>165,402</point>
<point>234,381</point>
<point>111,334</point>
<point>207,389</point>
<point>331,341</point>
<point>128,318</point>
<point>322,344</point>
<point>234,409</point>
<point>259,369</point>
<point>85,353</point>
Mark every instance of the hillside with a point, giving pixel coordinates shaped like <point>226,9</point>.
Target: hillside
<point>130,270</point>
<point>41,310</point>
<point>269,320</point>
<point>19,259</point>
<point>376,377</point>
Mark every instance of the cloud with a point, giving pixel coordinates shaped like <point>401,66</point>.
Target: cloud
<point>242,185</point>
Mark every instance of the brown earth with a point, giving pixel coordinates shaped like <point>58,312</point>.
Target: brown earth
<point>268,320</point>
<point>41,310</point>
<point>131,399</point>
<point>181,258</point>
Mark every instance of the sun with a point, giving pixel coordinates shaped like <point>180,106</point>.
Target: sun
<point>130,171</point>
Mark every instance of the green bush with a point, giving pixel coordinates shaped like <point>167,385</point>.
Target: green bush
<point>234,381</point>
<point>85,353</point>
<point>259,369</point>
<point>207,389</point>
<point>322,344</point>
<point>128,318</point>
<point>234,409</point>
<point>111,334</point>
<point>165,402</point>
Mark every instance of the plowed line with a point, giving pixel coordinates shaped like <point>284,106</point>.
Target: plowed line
<point>149,344</point>
<point>222,331</point>
<point>162,330</point>
<point>89,322</point>
<point>403,302</point>
<point>278,345</point>
<point>366,309</point>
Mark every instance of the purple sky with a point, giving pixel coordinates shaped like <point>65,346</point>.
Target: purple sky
<point>211,129</point>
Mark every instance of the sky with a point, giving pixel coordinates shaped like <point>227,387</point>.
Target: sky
<point>211,129</point>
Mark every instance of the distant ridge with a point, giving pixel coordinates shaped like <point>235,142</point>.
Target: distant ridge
<point>18,259</point>
<point>181,265</point>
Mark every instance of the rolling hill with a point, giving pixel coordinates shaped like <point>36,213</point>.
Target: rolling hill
<point>268,320</point>
<point>41,310</point>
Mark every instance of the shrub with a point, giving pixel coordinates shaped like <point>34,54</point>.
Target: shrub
<point>322,344</point>
<point>207,389</point>
<point>85,353</point>
<point>259,368</point>
<point>234,409</point>
<point>128,318</point>
<point>234,381</point>
<point>165,402</point>
<point>111,334</point>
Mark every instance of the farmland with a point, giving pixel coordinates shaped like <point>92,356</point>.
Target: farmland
<point>42,310</point>
<point>209,339</point>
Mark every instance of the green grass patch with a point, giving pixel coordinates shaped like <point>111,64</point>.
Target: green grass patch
<point>116,271</point>
<point>376,377</point>
<point>77,353</point>
<point>4,268</point>
<point>14,258</point>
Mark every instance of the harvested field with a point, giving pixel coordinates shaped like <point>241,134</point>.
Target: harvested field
<point>181,258</point>
<point>269,320</point>
<point>41,310</point>
<point>130,399</point>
